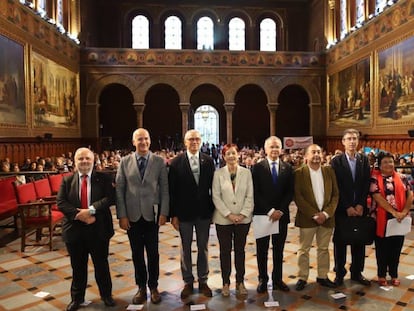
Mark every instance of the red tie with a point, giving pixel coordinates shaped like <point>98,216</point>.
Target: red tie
<point>84,192</point>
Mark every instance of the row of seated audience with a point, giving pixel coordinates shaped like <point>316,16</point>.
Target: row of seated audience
<point>109,160</point>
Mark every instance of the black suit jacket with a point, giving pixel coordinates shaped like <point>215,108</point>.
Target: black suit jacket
<point>267,195</point>
<point>102,197</point>
<point>189,201</point>
<point>351,192</point>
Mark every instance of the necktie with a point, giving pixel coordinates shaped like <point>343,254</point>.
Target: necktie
<point>194,168</point>
<point>274,173</point>
<point>142,166</point>
<point>84,192</point>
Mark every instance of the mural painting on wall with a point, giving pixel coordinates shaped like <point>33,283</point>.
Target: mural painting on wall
<point>349,96</point>
<point>56,102</point>
<point>12,99</point>
<point>396,83</point>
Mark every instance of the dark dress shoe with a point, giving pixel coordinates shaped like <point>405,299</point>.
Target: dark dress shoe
<point>187,291</point>
<point>280,285</point>
<point>262,287</point>
<point>326,282</point>
<point>205,290</point>
<point>361,280</point>
<point>73,306</point>
<point>109,301</point>
<point>155,296</point>
<point>300,285</point>
<point>140,297</point>
<point>339,281</point>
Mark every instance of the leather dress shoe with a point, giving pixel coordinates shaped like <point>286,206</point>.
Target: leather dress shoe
<point>326,282</point>
<point>339,281</point>
<point>187,291</point>
<point>361,280</point>
<point>262,287</point>
<point>73,306</point>
<point>280,285</point>
<point>155,296</point>
<point>300,285</point>
<point>109,301</point>
<point>140,297</point>
<point>205,290</point>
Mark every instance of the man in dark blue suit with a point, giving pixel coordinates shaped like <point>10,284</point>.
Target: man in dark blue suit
<point>85,198</point>
<point>352,172</point>
<point>273,191</point>
<point>191,207</point>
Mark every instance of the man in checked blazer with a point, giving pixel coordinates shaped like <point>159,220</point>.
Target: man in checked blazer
<point>142,206</point>
<point>272,198</point>
<point>190,180</point>
<point>316,197</point>
<point>88,229</point>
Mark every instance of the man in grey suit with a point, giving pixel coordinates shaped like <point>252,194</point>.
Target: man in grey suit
<point>142,206</point>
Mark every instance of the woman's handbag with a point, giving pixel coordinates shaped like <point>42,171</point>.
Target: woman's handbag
<point>356,230</point>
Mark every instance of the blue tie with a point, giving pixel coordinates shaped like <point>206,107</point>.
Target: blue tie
<point>274,173</point>
<point>141,166</point>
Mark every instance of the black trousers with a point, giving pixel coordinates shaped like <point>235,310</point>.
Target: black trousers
<point>358,259</point>
<point>232,236</point>
<point>144,234</point>
<point>262,248</point>
<point>387,251</point>
<point>79,252</point>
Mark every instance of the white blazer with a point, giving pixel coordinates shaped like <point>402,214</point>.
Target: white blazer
<point>228,201</point>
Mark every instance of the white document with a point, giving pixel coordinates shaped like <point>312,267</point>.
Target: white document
<point>338,296</point>
<point>269,304</point>
<point>398,228</point>
<point>135,307</point>
<point>198,307</point>
<point>263,226</point>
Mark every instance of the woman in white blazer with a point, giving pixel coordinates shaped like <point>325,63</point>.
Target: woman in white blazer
<point>233,200</point>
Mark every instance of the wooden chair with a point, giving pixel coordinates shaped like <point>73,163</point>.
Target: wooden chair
<point>35,215</point>
<point>44,192</point>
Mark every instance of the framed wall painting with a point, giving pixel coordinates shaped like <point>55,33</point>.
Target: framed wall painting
<point>12,83</point>
<point>396,84</point>
<point>55,94</point>
<point>349,98</point>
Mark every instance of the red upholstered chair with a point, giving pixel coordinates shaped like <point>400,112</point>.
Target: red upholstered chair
<point>44,192</point>
<point>8,202</point>
<point>55,181</point>
<point>35,215</point>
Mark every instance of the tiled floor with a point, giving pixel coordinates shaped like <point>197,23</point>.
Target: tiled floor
<point>24,274</point>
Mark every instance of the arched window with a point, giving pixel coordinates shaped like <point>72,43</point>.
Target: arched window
<point>360,11</point>
<point>206,121</point>
<point>41,7</point>
<point>343,18</point>
<point>237,34</point>
<point>140,32</point>
<point>268,35</point>
<point>59,13</point>
<point>205,33</point>
<point>380,6</point>
<point>173,30</point>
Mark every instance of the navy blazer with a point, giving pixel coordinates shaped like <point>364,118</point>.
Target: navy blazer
<point>102,197</point>
<point>267,195</point>
<point>189,201</point>
<point>351,192</point>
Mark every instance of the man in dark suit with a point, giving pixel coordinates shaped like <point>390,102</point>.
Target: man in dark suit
<point>191,206</point>
<point>85,198</point>
<point>273,192</point>
<point>142,206</point>
<point>352,172</point>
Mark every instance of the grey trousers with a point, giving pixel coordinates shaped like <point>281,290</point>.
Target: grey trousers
<point>202,231</point>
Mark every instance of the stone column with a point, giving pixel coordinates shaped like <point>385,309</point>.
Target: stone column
<point>184,107</point>
<point>229,107</point>
<point>139,108</point>
<point>272,117</point>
